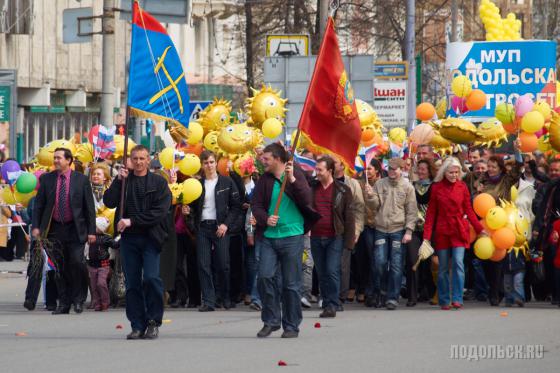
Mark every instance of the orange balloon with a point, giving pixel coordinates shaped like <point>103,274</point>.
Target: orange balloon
<point>425,111</point>
<point>367,144</point>
<point>368,134</point>
<point>472,233</point>
<point>498,255</point>
<point>482,203</point>
<point>476,100</point>
<point>511,128</point>
<point>503,238</point>
<point>529,142</point>
<point>223,166</point>
<point>486,227</point>
<point>192,149</point>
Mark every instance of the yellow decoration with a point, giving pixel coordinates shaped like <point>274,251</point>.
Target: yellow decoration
<point>532,122</point>
<point>544,108</point>
<point>192,190</point>
<point>461,86</point>
<point>189,165</point>
<point>238,138</point>
<point>266,103</point>
<point>46,153</point>
<point>368,117</point>
<point>516,222</point>
<point>119,147</point>
<point>554,131</point>
<point>484,248</point>
<point>496,218</point>
<point>11,198</point>
<point>271,128</point>
<point>215,116</point>
<point>441,145</point>
<point>167,158</point>
<point>441,108</point>
<point>110,215</point>
<point>195,133</point>
<point>458,131</point>
<point>491,134</point>
<point>211,142</point>
<point>397,135</point>
<point>176,190</point>
<point>84,153</point>
<point>498,28</point>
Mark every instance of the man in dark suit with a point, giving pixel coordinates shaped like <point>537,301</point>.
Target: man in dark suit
<point>64,212</point>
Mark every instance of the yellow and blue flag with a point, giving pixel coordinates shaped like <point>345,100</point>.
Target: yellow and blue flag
<point>157,87</point>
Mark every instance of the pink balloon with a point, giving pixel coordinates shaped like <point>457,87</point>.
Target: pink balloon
<point>523,105</point>
<point>38,174</point>
<point>459,104</point>
<point>539,133</point>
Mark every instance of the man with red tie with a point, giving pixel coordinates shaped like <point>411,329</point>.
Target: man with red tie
<point>65,214</point>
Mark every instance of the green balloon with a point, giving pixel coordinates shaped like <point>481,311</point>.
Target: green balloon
<point>26,183</point>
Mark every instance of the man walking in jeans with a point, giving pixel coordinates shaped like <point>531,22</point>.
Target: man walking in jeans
<point>143,230</point>
<point>394,202</point>
<point>334,232</point>
<point>280,240</point>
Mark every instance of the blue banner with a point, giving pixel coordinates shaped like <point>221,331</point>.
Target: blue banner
<point>505,70</point>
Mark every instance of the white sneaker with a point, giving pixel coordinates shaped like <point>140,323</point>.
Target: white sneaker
<point>305,303</point>
<point>320,303</point>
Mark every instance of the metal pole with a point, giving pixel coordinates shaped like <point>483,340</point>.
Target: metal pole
<point>323,14</point>
<point>454,15</point>
<point>409,51</point>
<point>107,86</point>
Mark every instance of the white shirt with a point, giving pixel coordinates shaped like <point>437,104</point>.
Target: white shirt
<point>209,207</point>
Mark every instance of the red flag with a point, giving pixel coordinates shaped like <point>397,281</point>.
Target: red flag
<point>330,118</point>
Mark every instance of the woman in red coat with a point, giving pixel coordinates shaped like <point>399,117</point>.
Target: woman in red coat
<point>447,222</point>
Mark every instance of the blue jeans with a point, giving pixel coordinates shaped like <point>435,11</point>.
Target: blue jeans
<point>327,255</point>
<point>252,267</point>
<point>480,284</point>
<point>144,288</point>
<point>457,275</point>
<point>387,264</point>
<point>514,288</point>
<point>280,257</point>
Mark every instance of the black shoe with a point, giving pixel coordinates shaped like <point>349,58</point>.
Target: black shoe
<point>192,305</point>
<point>135,334</point>
<point>481,298</point>
<point>494,302</point>
<point>372,301</point>
<point>520,303</point>
<point>205,308</point>
<point>328,313</point>
<point>61,310</point>
<point>410,304</point>
<point>152,330</point>
<point>51,307</point>
<point>267,330</point>
<point>228,305</point>
<point>290,334</point>
<point>29,304</point>
<point>78,308</point>
<point>340,308</point>
<point>380,302</point>
<point>177,304</point>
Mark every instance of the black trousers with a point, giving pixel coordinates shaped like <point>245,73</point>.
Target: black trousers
<point>213,264</point>
<point>72,275</point>
<point>359,266</point>
<point>34,286</point>
<point>237,269</point>
<point>187,285</point>
<point>494,276</point>
<point>421,278</point>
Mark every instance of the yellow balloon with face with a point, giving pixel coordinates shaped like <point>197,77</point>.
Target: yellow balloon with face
<point>215,116</point>
<point>491,133</point>
<point>368,117</point>
<point>265,104</point>
<point>238,138</point>
<point>211,142</point>
<point>516,222</point>
<point>46,153</point>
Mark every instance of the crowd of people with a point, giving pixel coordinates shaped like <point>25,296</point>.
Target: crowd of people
<point>283,239</point>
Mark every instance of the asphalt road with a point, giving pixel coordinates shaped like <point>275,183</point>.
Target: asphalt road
<point>421,339</point>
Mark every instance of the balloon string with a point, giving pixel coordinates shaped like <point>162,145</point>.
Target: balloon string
<point>19,222</point>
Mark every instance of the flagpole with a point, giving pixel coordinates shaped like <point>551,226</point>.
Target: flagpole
<point>333,6</point>
<point>125,161</point>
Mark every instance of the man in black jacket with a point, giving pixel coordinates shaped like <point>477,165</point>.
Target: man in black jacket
<point>143,230</point>
<point>215,213</point>
<point>279,240</point>
<point>64,212</point>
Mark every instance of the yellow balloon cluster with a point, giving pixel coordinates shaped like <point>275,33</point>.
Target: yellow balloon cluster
<point>498,28</point>
<point>238,139</point>
<point>46,153</point>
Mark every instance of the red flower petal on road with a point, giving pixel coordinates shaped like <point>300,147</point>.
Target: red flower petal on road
<point>282,363</point>
<point>317,325</point>
<point>119,326</point>
<point>21,334</point>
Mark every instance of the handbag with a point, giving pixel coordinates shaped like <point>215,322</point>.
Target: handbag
<point>424,252</point>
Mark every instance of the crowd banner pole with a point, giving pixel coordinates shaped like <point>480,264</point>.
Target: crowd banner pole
<point>283,187</point>
<point>125,161</point>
